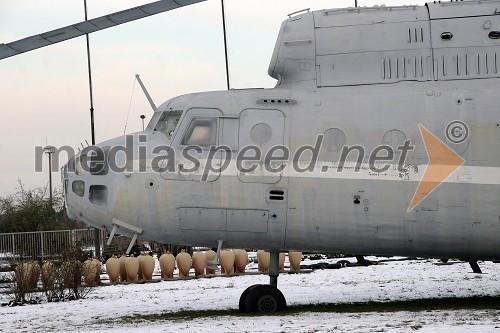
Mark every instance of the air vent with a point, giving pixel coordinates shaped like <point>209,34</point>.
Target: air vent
<point>415,35</point>
<point>276,195</point>
<point>276,101</point>
<point>494,35</point>
<point>446,36</point>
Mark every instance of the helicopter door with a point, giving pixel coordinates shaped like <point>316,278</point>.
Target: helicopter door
<point>194,144</point>
<point>260,130</point>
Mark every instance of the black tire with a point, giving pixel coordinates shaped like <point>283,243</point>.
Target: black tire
<point>265,298</point>
<point>244,296</point>
<point>343,263</point>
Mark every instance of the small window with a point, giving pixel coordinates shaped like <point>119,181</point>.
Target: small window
<point>81,163</point>
<point>154,120</point>
<point>99,161</point>
<point>201,132</point>
<point>71,166</point>
<point>92,159</point>
<point>98,194</point>
<point>168,123</point>
<point>78,187</point>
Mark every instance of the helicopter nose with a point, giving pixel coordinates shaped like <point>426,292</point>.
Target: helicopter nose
<point>87,187</point>
<point>99,180</point>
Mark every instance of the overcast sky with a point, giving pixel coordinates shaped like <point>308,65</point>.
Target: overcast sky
<point>44,93</point>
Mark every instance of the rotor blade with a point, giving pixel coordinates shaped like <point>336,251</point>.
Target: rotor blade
<point>93,25</point>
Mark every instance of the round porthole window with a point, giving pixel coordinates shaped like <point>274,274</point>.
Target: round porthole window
<point>261,133</point>
<point>334,139</point>
<point>394,138</point>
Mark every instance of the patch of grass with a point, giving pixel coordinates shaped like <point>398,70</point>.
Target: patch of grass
<point>177,316</point>
<point>472,303</point>
<point>475,302</point>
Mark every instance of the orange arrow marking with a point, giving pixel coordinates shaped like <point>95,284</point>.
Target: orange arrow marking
<point>442,163</point>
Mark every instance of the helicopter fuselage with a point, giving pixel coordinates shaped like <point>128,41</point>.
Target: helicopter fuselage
<point>333,157</point>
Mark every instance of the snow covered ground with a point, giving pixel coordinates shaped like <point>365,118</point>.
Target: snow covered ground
<point>169,306</point>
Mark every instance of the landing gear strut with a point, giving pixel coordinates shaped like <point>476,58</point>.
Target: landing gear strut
<point>265,297</point>
<point>475,267</point>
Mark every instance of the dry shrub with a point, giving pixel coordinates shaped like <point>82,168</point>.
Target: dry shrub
<point>70,277</point>
<point>26,279</point>
<point>49,275</point>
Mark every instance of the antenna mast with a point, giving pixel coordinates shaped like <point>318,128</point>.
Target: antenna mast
<point>92,131</point>
<point>97,234</point>
<point>150,100</point>
<point>225,44</point>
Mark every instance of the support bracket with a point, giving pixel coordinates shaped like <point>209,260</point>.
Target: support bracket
<point>129,229</point>
<point>215,263</point>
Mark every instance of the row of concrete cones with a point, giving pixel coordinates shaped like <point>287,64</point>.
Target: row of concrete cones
<point>132,269</point>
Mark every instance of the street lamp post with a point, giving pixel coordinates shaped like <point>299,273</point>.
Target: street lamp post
<point>49,150</point>
<point>143,117</point>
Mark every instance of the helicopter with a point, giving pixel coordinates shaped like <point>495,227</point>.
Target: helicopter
<point>379,138</point>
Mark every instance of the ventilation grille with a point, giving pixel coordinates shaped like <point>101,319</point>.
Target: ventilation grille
<point>470,64</point>
<point>415,35</point>
<point>276,101</point>
<point>403,68</point>
<point>276,195</point>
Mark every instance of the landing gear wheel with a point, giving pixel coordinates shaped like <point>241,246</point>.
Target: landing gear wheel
<point>264,298</point>
<point>243,297</point>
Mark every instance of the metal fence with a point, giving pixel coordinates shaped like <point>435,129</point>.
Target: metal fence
<point>45,245</point>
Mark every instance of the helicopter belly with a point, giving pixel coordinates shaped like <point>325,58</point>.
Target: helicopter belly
<point>452,223</point>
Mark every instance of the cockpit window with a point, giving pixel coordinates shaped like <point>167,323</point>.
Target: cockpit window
<point>168,122</point>
<point>92,159</point>
<point>154,120</point>
<point>99,161</point>
<point>82,162</point>
<point>201,132</point>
